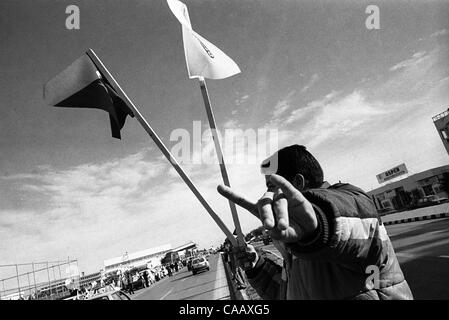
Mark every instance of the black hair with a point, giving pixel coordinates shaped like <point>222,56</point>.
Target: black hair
<point>296,159</point>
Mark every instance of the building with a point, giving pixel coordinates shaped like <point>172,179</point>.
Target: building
<point>147,257</point>
<point>441,122</point>
<point>186,250</point>
<point>399,194</point>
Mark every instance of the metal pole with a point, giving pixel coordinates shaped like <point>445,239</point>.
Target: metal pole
<point>29,285</point>
<point>224,173</point>
<point>49,284</point>
<point>34,277</point>
<point>79,275</point>
<point>59,267</point>
<point>18,281</point>
<point>101,67</point>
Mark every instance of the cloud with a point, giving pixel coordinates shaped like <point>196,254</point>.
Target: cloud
<point>241,100</point>
<point>439,33</point>
<point>303,112</point>
<point>329,118</point>
<point>282,105</point>
<point>413,77</point>
<point>131,203</point>
<point>313,79</point>
<point>230,124</point>
<point>417,58</point>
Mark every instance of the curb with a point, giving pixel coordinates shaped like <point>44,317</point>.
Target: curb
<point>421,218</point>
<point>235,294</point>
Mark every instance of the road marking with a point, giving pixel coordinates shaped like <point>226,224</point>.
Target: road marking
<point>443,256</point>
<point>166,294</point>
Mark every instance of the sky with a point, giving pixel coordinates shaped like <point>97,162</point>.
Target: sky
<point>360,100</point>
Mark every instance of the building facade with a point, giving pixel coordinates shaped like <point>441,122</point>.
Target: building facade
<point>145,258</point>
<point>398,195</point>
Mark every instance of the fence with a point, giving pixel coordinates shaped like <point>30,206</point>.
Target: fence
<point>49,280</point>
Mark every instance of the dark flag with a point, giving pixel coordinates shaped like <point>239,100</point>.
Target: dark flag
<point>82,86</point>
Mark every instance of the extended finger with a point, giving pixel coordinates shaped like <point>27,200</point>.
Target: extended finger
<point>280,209</point>
<point>265,210</point>
<point>287,188</point>
<point>238,199</point>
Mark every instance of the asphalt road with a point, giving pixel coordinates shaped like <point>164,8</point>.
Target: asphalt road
<point>422,249</point>
<point>183,285</point>
<point>423,252</point>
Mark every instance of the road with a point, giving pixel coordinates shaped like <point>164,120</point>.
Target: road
<point>207,285</point>
<point>422,249</point>
<point>423,252</point>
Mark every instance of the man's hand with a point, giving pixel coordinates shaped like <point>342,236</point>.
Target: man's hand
<point>246,257</point>
<point>284,212</point>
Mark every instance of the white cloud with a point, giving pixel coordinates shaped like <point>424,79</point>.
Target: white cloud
<point>313,79</point>
<point>230,124</point>
<point>330,119</point>
<point>303,112</point>
<point>417,58</point>
<point>282,105</point>
<point>241,100</point>
<point>131,203</point>
<point>439,33</point>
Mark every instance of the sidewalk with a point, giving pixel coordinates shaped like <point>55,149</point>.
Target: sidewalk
<point>428,213</point>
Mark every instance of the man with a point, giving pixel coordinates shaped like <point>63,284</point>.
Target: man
<point>332,240</point>
<point>129,282</point>
<point>145,278</point>
<point>236,270</point>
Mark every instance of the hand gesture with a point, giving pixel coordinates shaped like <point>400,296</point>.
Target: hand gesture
<point>286,214</point>
<point>246,256</point>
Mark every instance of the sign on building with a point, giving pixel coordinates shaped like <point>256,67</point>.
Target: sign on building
<point>392,173</point>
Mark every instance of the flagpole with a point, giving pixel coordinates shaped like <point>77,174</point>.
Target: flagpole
<point>224,173</point>
<point>159,143</point>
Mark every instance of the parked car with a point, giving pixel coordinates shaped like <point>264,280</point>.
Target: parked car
<point>108,292</point>
<point>137,281</point>
<point>199,264</point>
<point>111,295</point>
<point>430,201</point>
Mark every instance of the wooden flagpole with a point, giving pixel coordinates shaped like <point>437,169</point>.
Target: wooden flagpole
<point>159,143</point>
<point>224,173</point>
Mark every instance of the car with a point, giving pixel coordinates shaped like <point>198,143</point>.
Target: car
<point>137,281</point>
<point>110,295</point>
<point>443,199</point>
<point>430,201</point>
<point>199,264</point>
<point>108,292</point>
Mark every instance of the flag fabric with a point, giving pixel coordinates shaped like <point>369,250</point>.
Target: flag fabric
<point>203,59</point>
<point>81,85</point>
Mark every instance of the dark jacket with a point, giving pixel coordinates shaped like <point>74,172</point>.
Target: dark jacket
<point>341,258</point>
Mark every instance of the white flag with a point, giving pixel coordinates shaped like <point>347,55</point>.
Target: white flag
<point>203,59</point>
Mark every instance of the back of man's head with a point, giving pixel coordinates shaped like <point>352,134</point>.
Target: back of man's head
<point>295,159</point>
